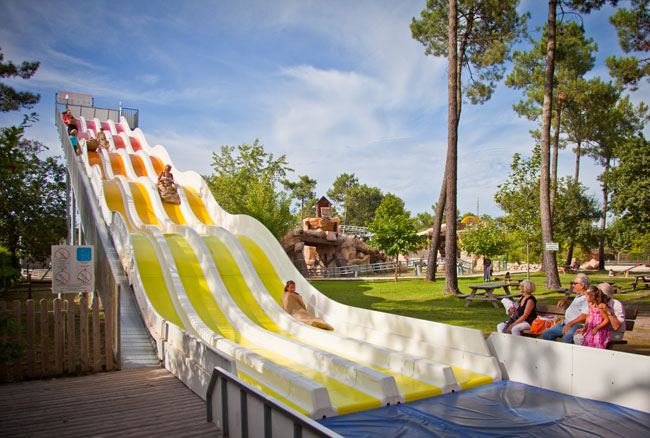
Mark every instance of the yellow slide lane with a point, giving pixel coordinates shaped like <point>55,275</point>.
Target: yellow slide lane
<point>149,267</point>
<point>153,279</point>
<point>174,213</point>
<point>268,391</point>
<point>138,165</point>
<point>268,275</point>
<point>116,164</point>
<point>197,206</point>
<point>95,158</point>
<point>113,197</point>
<point>143,204</point>
<point>157,164</point>
<point>145,209</point>
<point>345,398</point>
<point>410,388</point>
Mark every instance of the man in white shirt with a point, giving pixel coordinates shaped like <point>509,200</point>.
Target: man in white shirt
<point>574,316</point>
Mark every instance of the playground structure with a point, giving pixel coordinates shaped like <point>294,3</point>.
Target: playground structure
<point>319,244</point>
<point>208,286</point>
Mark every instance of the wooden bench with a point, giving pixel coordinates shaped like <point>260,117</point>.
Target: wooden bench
<point>640,280</point>
<point>567,269</point>
<point>551,310</point>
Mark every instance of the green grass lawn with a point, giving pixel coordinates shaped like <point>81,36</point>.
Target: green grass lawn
<point>425,300</point>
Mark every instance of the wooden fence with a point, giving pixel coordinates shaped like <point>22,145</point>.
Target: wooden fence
<point>64,340</point>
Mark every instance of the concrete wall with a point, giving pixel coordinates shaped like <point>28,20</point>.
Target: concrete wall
<point>605,375</point>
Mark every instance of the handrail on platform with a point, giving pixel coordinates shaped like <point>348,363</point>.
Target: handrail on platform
<point>220,407</point>
<point>109,274</point>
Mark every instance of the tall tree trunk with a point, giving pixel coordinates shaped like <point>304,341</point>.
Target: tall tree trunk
<point>440,207</point>
<point>451,276</point>
<point>396,266</point>
<point>603,222</point>
<point>569,254</point>
<point>556,146</point>
<point>550,264</point>
<point>578,153</point>
<point>432,263</point>
<point>527,260</point>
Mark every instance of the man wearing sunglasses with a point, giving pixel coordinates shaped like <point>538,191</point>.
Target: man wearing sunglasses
<point>574,316</point>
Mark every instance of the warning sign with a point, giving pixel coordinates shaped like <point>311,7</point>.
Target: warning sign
<point>73,269</point>
<point>62,254</point>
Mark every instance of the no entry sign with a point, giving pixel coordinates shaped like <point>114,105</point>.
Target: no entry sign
<point>73,269</point>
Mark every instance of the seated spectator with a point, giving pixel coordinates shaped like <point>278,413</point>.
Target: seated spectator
<point>575,315</point>
<point>293,304</point>
<point>616,315</point>
<point>522,316</point>
<point>75,142</point>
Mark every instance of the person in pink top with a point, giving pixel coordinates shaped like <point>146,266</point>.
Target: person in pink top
<point>596,331</point>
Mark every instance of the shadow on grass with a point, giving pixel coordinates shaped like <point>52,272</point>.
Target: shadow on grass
<point>417,298</point>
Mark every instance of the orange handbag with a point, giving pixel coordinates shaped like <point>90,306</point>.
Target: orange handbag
<point>542,323</point>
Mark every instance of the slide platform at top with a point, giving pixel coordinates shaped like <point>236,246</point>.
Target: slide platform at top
<point>220,277</point>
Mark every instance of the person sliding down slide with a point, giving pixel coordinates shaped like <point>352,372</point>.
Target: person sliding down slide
<point>167,186</point>
<point>293,304</point>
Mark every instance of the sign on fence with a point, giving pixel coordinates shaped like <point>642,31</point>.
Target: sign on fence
<point>73,269</point>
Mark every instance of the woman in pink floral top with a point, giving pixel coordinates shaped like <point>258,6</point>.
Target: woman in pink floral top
<point>596,330</point>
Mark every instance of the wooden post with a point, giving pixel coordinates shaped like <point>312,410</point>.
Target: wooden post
<point>4,371</point>
<point>108,332</point>
<point>17,363</point>
<point>45,339</point>
<point>97,350</point>
<point>71,350</point>
<point>83,333</point>
<point>58,337</point>
<point>31,338</point>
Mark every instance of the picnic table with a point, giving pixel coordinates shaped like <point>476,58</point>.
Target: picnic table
<point>640,280</point>
<point>485,292</point>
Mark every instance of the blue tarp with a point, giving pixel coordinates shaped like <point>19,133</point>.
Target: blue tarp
<point>504,409</point>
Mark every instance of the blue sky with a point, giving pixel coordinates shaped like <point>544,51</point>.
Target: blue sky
<point>337,86</point>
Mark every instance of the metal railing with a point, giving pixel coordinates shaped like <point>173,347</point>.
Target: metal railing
<point>109,274</point>
<point>241,410</point>
<point>37,274</point>
<point>90,112</point>
<point>355,230</point>
<point>412,266</point>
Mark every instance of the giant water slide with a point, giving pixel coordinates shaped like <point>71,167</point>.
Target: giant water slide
<point>220,277</point>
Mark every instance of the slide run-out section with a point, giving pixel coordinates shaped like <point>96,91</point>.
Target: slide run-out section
<point>220,277</point>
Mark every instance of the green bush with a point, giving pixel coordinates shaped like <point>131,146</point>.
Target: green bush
<point>8,274</point>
